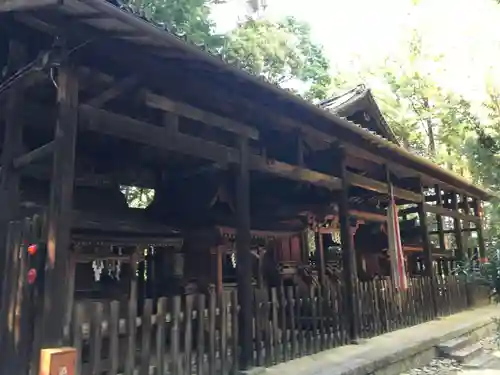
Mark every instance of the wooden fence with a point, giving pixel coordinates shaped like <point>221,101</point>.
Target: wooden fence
<point>199,334</point>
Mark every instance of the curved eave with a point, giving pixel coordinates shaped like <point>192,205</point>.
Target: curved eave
<point>357,99</point>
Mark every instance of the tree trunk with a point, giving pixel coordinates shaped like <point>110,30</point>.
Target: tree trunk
<point>430,131</point>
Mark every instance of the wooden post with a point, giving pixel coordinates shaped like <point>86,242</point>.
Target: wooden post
<point>11,149</point>
<point>218,282</point>
<point>466,229</point>
<point>70,290</point>
<point>300,150</point>
<point>320,256</point>
<point>9,206</point>
<point>426,245</point>
<point>243,255</point>
<point>457,228</point>
<point>439,218</point>
<point>479,229</point>
<point>348,255</point>
<point>61,199</point>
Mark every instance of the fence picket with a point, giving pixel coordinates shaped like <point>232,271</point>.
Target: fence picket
<point>293,325</point>
<point>114,337</point>
<point>146,326</point>
<point>223,333</point>
<point>188,334</point>
<point>275,325</point>
<point>200,336</point>
<point>175,358</point>
<point>96,338</point>
<point>161,312</point>
<point>258,327</point>
<point>212,346</point>
<point>234,333</point>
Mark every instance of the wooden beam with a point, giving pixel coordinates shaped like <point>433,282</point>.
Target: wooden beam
<point>410,210</point>
<point>287,123</point>
<point>171,122</point>
<point>102,121</point>
<point>35,155</point>
<point>293,172</point>
<point>23,5</point>
<point>183,109</point>
<point>55,315</point>
<point>243,253</point>
<point>447,231</point>
<point>23,80</point>
<point>368,216</point>
<point>382,188</point>
<point>188,111</point>
<point>114,91</point>
<point>450,213</point>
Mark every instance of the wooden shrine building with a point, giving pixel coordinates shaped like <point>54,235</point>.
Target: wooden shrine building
<point>256,192</point>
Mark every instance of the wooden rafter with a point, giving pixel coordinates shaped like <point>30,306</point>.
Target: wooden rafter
<point>138,131</point>
<point>188,111</point>
<point>450,213</point>
<point>114,91</point>
<point>381,187</point>
<point>175,108</point>
<point>18,5</point>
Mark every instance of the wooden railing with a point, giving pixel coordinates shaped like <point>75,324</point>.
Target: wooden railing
<point>199,334</point>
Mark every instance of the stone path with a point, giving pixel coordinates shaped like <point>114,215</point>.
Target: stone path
<point>444,366</point>
<point>388,349</point>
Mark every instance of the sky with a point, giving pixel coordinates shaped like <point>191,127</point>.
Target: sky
<point>362,33</point>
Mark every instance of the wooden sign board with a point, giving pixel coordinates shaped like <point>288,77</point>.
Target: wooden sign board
<point>58,361</point>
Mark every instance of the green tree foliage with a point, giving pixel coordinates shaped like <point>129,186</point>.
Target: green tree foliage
<point>484,158</point>
<point>426,118</point>
<point>281,52</point>
<point>188,19</point>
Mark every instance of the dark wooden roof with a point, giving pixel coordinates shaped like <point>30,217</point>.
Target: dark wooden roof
<point>359,106</point>
<point>170,64</point>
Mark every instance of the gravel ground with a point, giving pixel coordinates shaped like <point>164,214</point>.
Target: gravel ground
<point>445,366</point>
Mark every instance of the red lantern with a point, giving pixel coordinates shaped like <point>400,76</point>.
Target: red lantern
<point>32,249</point>
<point>32,276</point>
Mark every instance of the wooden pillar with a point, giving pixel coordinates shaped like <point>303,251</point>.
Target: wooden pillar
<point>439,218</point>
<point>457,228</point>
<point>348,254</point>
<point>479,229</point>
<point>12,148</point>
<point>304,245</point>
<point>446,267</point>
<point>440,267</point>
<point>300,150</point>
<point>426,245</point>
<point>243,255</point>
<point>320,256</point>
<point>466,229</point>
<point>9,208</point>
<point>219,251</point>
<point>59,218</point>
